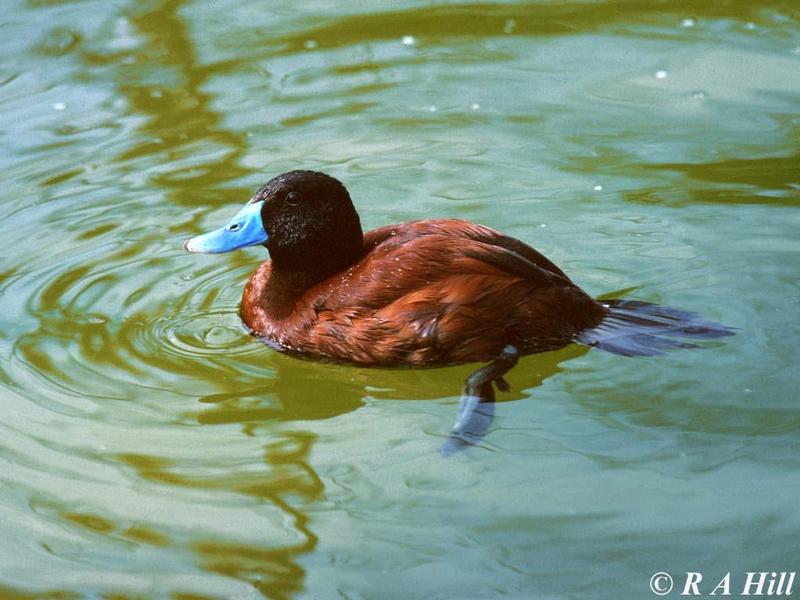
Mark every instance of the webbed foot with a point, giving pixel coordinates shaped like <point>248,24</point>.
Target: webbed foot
<point>476,411</point>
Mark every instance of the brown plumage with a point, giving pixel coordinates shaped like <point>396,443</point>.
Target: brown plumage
<point>423,293</point>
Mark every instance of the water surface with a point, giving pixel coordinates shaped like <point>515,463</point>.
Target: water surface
<point>150,448</point>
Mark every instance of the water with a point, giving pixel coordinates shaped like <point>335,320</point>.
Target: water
<point>151,449</point>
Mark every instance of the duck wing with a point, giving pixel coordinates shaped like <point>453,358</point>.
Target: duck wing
<point>431,292</point>
<point>506,253</point>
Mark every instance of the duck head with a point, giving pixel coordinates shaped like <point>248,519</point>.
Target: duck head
<point>305,219</point>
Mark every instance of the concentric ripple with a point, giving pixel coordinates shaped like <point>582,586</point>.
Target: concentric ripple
<point>202,334</point>
<point>95,326</point>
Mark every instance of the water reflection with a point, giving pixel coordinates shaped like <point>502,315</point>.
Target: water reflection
<point>292,392</point>
<point>455,20</point>
<point>287,480</point>
<point>161,77</point>
<point>770,180</point>
<point>763,180</point>
<point>117,323</point>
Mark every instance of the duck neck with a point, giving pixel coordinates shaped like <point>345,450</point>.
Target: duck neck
<point>313,267</point>
<point>291,283</point>
<point>287,282</point>
<point>300,262</point>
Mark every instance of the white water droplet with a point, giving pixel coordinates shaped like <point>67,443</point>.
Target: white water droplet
<point>660,74</point>
<point>699,94</point>
<point>543,225</point>
<point>689,22</point>
<point>750,25</point>
<point>59,106</point>
<point>598,188</point>
<point>408,40</point>
<point>432,108</point>
<point>156,93</point>
<point>310,44</point>
<point>474,106</point>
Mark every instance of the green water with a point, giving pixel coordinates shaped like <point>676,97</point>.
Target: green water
<point>150,449</point>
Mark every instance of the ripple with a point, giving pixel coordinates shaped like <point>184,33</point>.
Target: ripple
<point>203,334</point>
<point>99,324</point>
<point>58,41</point>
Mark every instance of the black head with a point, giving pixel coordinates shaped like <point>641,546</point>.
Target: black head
<point>310,222</point>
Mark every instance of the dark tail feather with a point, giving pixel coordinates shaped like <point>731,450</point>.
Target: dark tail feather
<point>634,328</point>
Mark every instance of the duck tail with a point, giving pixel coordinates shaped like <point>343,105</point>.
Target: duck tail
<point>634,328</point>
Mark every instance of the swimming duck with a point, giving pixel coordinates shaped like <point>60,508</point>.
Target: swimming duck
<point>421,293</point>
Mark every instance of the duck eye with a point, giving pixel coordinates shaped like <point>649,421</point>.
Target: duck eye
<point>234,227</point>
<point>293,198</point>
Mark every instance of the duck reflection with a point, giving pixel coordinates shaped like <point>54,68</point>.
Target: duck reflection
<point>292,392</point>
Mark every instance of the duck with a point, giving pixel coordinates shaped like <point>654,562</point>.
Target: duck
<point>422,293</point>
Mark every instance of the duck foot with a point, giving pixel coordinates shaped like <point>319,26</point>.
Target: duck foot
<point>476,410</point>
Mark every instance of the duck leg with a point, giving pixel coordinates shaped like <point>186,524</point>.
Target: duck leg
<point>476,410</point>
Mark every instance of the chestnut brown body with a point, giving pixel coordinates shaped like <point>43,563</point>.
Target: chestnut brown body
<point>422,293</point>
